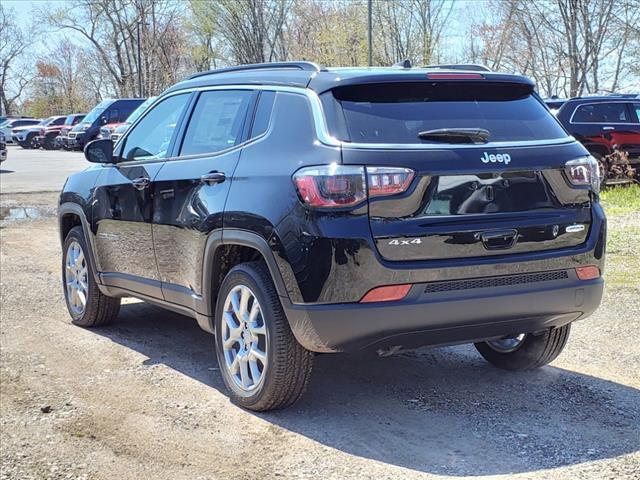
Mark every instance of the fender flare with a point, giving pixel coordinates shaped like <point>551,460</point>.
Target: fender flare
<point>76,209</point>
<point>230,236</point>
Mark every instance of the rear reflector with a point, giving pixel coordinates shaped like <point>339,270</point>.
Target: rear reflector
<point>588,272</point>
<point>454,76</point>
<point>386,294</point>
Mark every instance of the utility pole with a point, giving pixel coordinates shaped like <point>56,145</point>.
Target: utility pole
<point>370,31</point>
<point>139,22</point>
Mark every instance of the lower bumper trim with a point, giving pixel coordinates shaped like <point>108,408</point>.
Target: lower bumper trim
<point>445,317</point>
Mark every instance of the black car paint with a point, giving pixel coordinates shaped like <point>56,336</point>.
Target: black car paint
<point>161,243</point>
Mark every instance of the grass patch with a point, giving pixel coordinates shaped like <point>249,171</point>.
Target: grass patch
<point>621,200</point>
<point>622,206</point>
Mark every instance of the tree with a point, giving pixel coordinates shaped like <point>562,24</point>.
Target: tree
<point>570,47</point>
<point>111,29</point>
<point>14,73</point>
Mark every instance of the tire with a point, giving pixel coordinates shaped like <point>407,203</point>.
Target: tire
<point>31,141</point>
<point>532,352</point>
<point>285,375</point>
<point>98,309</point>
<point>49,143</point>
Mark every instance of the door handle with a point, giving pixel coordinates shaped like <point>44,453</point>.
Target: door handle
<point>608,128</point>
<point>499,239</point>
<point>213,178</point>
<point>141,183</point>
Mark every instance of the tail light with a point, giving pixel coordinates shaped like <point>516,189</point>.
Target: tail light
<point>336,186</point>
<point>42,132</point>
<point>583,172</point>
<point>454,76</point>
<point>387,180</point>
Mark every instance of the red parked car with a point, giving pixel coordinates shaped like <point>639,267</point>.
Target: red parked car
<point>48,135</point>
<point>605,124</point>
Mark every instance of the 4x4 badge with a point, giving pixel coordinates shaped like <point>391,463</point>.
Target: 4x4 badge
<point>498,157</point>
<point>410,241</point>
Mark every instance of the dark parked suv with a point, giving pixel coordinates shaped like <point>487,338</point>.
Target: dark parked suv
<point>107,111</point>
<point>293,209</point>
<point>604,124</point>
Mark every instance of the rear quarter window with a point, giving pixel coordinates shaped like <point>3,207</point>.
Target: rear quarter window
<point>398,112</point>
<point>601,113</point>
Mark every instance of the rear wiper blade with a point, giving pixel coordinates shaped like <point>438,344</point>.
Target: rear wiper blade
<point>456,135</point>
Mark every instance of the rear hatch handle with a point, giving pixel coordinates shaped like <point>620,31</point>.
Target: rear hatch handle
<point>498,239</point>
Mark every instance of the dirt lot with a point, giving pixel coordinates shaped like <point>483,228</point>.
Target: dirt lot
<point>143,398</point>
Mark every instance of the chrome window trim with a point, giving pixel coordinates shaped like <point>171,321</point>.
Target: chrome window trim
<point>603,123</point>
<point>322,131</point>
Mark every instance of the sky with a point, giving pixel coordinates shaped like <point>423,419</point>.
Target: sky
<point>459,23</point>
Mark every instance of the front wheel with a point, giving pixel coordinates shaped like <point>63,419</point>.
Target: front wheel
<point>262,364</point>
<point>49,143</point>
<point>87,305</point>
<point>525,351</point>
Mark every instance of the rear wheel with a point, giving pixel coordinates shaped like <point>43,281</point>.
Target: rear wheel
<point>262,364</point>
<point>87,306</point>
<point>49,142</point>
<point>525,351</point>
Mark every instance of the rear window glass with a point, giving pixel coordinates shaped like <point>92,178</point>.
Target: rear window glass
<point>397,113</point>
<point>601,113</point>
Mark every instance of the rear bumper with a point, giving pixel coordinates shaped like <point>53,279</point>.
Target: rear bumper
<point>430,316</point>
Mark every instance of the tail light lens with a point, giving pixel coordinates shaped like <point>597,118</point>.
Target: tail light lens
<point>335,186</point>
<point>331,185</point>
<point>583,172</point>
<point>41,132</point>
<point>388,181</point>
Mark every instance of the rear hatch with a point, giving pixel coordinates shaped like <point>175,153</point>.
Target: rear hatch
<point>503,195</point>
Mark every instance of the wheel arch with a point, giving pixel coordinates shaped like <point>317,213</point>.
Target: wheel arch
<point>225,250</point>
<point>72,215</point>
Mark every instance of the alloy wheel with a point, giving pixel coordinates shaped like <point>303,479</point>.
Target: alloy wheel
<point>244,338</point>
<point>76,278</point>
<point>507,344</point>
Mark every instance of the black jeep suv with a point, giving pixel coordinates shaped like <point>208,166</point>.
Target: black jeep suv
<point>293,209</point>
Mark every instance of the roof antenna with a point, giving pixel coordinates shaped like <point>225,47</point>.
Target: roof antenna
<point>403,64</point>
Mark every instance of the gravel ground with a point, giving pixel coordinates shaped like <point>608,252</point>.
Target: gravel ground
<point>143,398</point>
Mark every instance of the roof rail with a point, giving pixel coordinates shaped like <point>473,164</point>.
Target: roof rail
<point>307,66</point>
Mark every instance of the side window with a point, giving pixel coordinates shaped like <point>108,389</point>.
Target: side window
<point>263,114</point>
<point>150,138</point>
<point>217,121</point>
<point>636,107</point>
<point>601,113</point>
<point>59,121</point>
<point>114,116</point>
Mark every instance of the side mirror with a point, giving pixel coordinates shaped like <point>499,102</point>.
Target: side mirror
<point>100,151</point>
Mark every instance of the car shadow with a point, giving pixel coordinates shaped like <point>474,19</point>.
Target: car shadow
<point>442,411</point>
<point>6,171</point>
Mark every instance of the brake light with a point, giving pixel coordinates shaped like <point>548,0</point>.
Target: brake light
<point>331,185</point>
<point>454,76</point>
<point>387,180</point>
<point>41,131</point>
<point>387,293</point>
<point>588,272</point>
<point>335,186</point>
<point>583,172</point>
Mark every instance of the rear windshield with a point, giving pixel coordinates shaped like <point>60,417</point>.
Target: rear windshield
<point>398,112</point>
